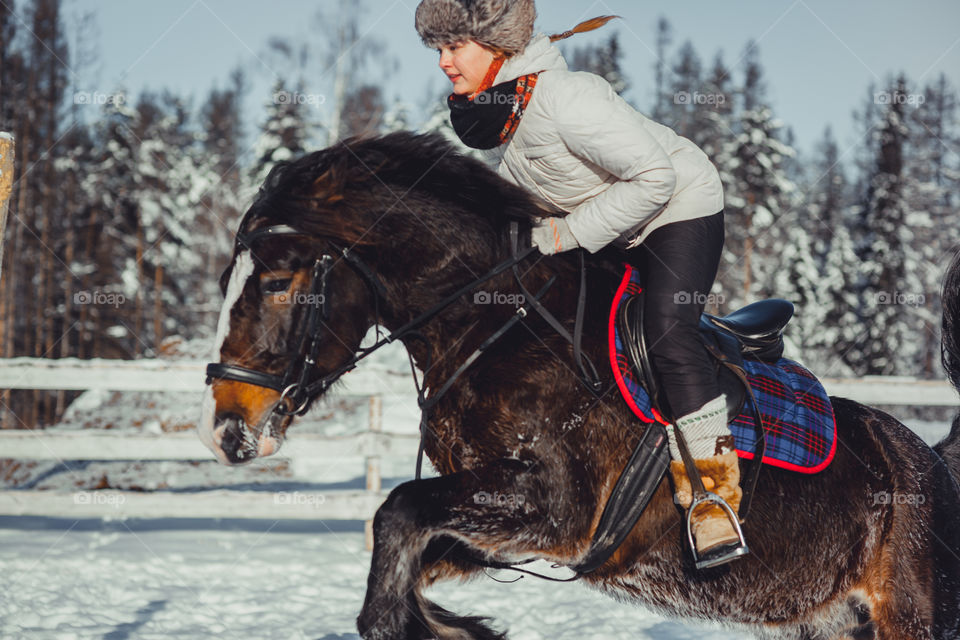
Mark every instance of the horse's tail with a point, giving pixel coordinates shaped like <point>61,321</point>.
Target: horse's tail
<point>949,447</point>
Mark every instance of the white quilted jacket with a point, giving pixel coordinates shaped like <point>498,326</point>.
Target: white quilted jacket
<point>581,147</point>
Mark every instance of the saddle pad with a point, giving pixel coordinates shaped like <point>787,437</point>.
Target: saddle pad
<point>794,406</point>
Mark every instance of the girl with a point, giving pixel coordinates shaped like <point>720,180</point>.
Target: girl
<point>623,179</point>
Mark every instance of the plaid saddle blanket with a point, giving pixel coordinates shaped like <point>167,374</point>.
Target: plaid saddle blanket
<point>793,405</point>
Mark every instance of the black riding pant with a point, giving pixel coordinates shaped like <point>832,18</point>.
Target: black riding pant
<point>678,263</point>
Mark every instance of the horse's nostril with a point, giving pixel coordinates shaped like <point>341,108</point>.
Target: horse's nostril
<point>233,443</point>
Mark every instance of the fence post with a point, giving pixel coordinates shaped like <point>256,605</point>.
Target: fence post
<point>374,480</point>
<point>6,184</point>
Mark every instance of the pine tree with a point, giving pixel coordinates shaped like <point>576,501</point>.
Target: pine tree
<point>713,120</point>
<point>107,316</point>
<point>397,117</point>
<point>661,99</point>
<point>605,60</point>
<point>931,190</point>
<point>222,123</point>
<point>891,291</point>
<point>827,195</point>
<point>839,295</point>
<point>366,113</point>
<point>285,134</point>
<point>686,92</point>
<point>230,191</point>
<point>759,194</point>
<point>754,89</point>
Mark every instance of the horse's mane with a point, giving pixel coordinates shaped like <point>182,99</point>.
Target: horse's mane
<point>310,192</point>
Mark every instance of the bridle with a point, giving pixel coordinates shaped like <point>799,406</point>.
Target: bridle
<point>298,388</point>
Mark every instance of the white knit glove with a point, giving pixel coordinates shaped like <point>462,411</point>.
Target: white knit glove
<point>552,235</point>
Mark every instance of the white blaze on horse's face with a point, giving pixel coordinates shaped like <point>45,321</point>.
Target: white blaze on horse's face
<point>210,433</point>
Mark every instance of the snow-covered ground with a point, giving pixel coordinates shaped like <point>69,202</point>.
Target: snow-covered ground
<point>116,580</point>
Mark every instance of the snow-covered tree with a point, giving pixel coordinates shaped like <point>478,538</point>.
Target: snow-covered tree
<point>757,201</point>
<point>932,190</point>
<point>605,60</point>
<point>686,92</point>
<point>285,133</point>
<point>661,99</point>
<point>892,293</point>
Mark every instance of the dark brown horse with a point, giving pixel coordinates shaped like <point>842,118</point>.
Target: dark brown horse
<point>868,548</point>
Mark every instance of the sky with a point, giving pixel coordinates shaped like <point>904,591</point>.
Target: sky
<point>819,56</point>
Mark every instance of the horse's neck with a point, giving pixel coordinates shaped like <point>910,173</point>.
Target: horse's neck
<point>455,332</point>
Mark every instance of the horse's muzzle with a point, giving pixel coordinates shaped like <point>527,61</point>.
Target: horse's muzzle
<point>233,440</point>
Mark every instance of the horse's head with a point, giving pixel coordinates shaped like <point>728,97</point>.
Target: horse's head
<point>296,308</point>
<point>364,232</point>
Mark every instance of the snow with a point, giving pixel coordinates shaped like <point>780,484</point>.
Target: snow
<point>159,579</point>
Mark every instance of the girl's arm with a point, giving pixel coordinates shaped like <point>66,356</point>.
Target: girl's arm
<point>599,126</point>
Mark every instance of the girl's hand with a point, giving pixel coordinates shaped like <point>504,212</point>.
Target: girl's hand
<point>552,235</point>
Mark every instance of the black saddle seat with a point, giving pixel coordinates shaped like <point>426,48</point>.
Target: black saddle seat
<point>757,321</point>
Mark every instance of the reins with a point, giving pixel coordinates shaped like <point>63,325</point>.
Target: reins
<point>299,389</point>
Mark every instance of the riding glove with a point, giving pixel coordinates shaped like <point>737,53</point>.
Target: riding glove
<point>552,235</point>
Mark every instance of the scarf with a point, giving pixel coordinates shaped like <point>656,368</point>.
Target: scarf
<point>489,117</point>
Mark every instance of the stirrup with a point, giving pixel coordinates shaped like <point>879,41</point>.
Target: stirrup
<point>722,553</point>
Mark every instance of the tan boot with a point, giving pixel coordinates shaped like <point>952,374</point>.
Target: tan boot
<point>715,536</point>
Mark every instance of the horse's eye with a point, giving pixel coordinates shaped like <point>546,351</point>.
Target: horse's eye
<point>275,286</point>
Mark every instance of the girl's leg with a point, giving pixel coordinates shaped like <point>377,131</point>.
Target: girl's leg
<point>679,262</point>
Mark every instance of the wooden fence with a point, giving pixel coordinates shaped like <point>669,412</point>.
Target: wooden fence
<point>6,184</point>
<point>371,446</point>
<point>368,448</point>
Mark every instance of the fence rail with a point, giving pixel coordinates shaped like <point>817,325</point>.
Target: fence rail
<point>371,446</point>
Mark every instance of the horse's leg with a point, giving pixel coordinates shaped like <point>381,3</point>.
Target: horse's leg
<point>426,530</point>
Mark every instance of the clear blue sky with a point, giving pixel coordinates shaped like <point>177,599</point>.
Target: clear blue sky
<point>819,55</point>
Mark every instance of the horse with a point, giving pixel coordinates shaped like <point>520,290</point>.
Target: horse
<point>381,231</point>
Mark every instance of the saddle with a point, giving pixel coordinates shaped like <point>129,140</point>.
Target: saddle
<point>755,331</point>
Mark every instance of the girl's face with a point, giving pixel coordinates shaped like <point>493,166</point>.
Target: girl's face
<point>465,63</point>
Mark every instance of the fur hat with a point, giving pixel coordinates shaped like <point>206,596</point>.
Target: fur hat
<point>505,24</point>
